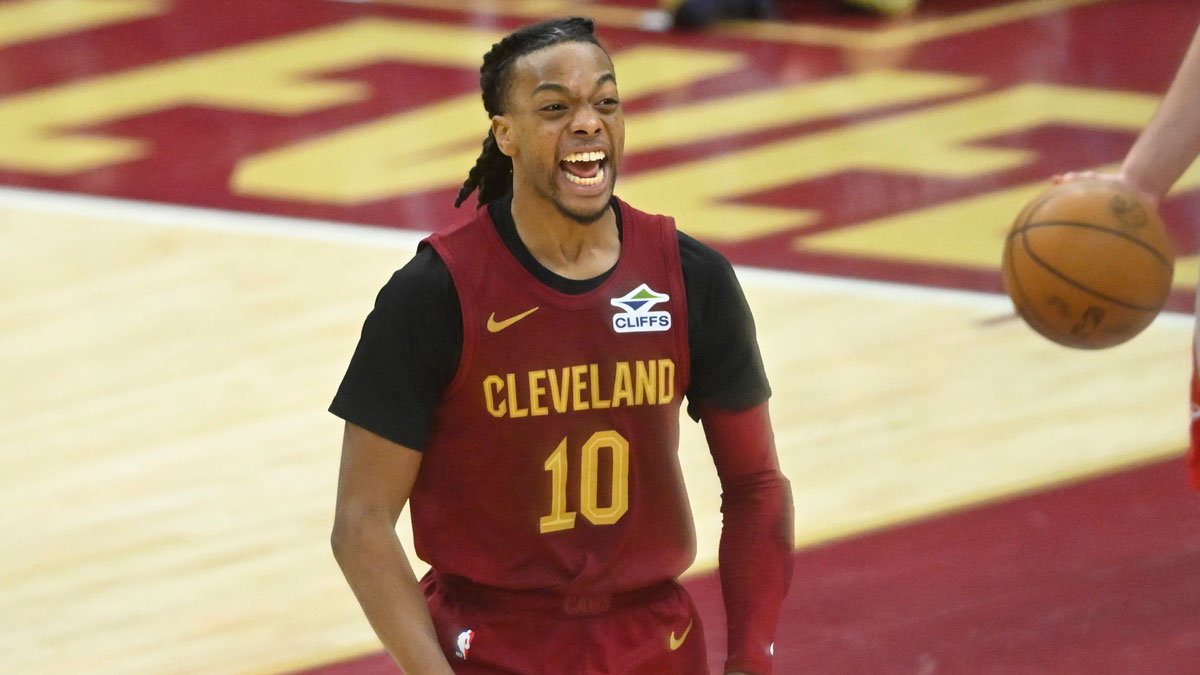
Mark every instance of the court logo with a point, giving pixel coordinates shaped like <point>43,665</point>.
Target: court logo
<point>463,645</point>
<point>638,317</point>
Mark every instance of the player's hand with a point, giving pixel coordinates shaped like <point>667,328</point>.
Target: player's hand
<point>1071,176</point>
<point>1085,175</point>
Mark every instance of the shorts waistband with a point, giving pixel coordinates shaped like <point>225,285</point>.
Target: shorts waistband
<point>482,595</point>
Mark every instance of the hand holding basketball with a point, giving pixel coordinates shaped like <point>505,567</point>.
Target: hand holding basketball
<point>1088,263</point>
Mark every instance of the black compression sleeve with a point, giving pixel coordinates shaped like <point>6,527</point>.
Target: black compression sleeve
<point>406,355</point>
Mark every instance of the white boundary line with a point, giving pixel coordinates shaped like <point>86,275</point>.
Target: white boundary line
<point>235,222</point>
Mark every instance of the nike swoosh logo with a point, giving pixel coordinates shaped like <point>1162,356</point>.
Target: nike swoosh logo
<point>677,642</point>
<point>495,326</point>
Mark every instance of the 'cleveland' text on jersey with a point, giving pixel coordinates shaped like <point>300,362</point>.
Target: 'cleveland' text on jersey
<point>580,387</point>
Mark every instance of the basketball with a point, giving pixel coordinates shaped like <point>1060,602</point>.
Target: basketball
<point>1088,264</point>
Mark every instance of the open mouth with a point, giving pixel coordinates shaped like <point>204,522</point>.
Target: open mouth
<point>585,169</point>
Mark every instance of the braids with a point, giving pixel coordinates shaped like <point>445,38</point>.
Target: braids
<point>492,173</point>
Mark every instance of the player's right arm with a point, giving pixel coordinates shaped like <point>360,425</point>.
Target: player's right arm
<point>374,483</point>
<point>407,353</point>
<point>728,393</point>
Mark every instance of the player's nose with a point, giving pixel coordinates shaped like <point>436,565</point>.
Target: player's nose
<point>586,122</point>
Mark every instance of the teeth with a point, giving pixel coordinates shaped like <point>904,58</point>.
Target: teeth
<point>586,182</point>
<point>595,156</point>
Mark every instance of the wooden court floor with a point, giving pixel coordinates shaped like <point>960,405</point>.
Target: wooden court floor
<point>170,468</point>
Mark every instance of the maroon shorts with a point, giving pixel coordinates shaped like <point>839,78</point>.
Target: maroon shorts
<point>488,631</point>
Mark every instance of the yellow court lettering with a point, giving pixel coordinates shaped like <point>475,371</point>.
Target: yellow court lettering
<point>965,233</point>
<point>272,76</point>
<point>944,141</point>
<point>363,163</point>
<point>30,20</point>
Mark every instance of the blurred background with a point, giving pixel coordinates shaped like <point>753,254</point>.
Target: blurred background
<point>199,200</point>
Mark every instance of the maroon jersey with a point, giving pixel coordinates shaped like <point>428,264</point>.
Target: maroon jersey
<point>553,457</point>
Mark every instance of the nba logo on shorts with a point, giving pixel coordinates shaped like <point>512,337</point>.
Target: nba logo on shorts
<point>463,644</point>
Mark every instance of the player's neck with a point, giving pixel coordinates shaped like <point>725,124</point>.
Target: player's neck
<point>563,245</point>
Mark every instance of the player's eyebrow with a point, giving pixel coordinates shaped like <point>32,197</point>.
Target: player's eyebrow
<point>550,86</point>
<point>556,87</point>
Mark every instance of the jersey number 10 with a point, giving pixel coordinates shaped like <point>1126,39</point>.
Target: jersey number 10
<point>562,519</point>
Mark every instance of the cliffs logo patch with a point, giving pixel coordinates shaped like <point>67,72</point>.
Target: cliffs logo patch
<point>638,316</point>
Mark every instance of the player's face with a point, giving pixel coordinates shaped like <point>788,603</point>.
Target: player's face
<point>564,129</point>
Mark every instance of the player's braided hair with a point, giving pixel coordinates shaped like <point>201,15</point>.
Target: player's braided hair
<point>492,173</point>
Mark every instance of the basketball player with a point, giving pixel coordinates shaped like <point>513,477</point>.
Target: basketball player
<point>1159,156</point>
<point>519,383</point>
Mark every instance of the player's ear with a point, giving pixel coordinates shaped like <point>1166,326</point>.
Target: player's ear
<point>503,131</point>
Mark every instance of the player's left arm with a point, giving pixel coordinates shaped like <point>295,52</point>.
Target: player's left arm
<point>728,393</point>
<point>755,554</point>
